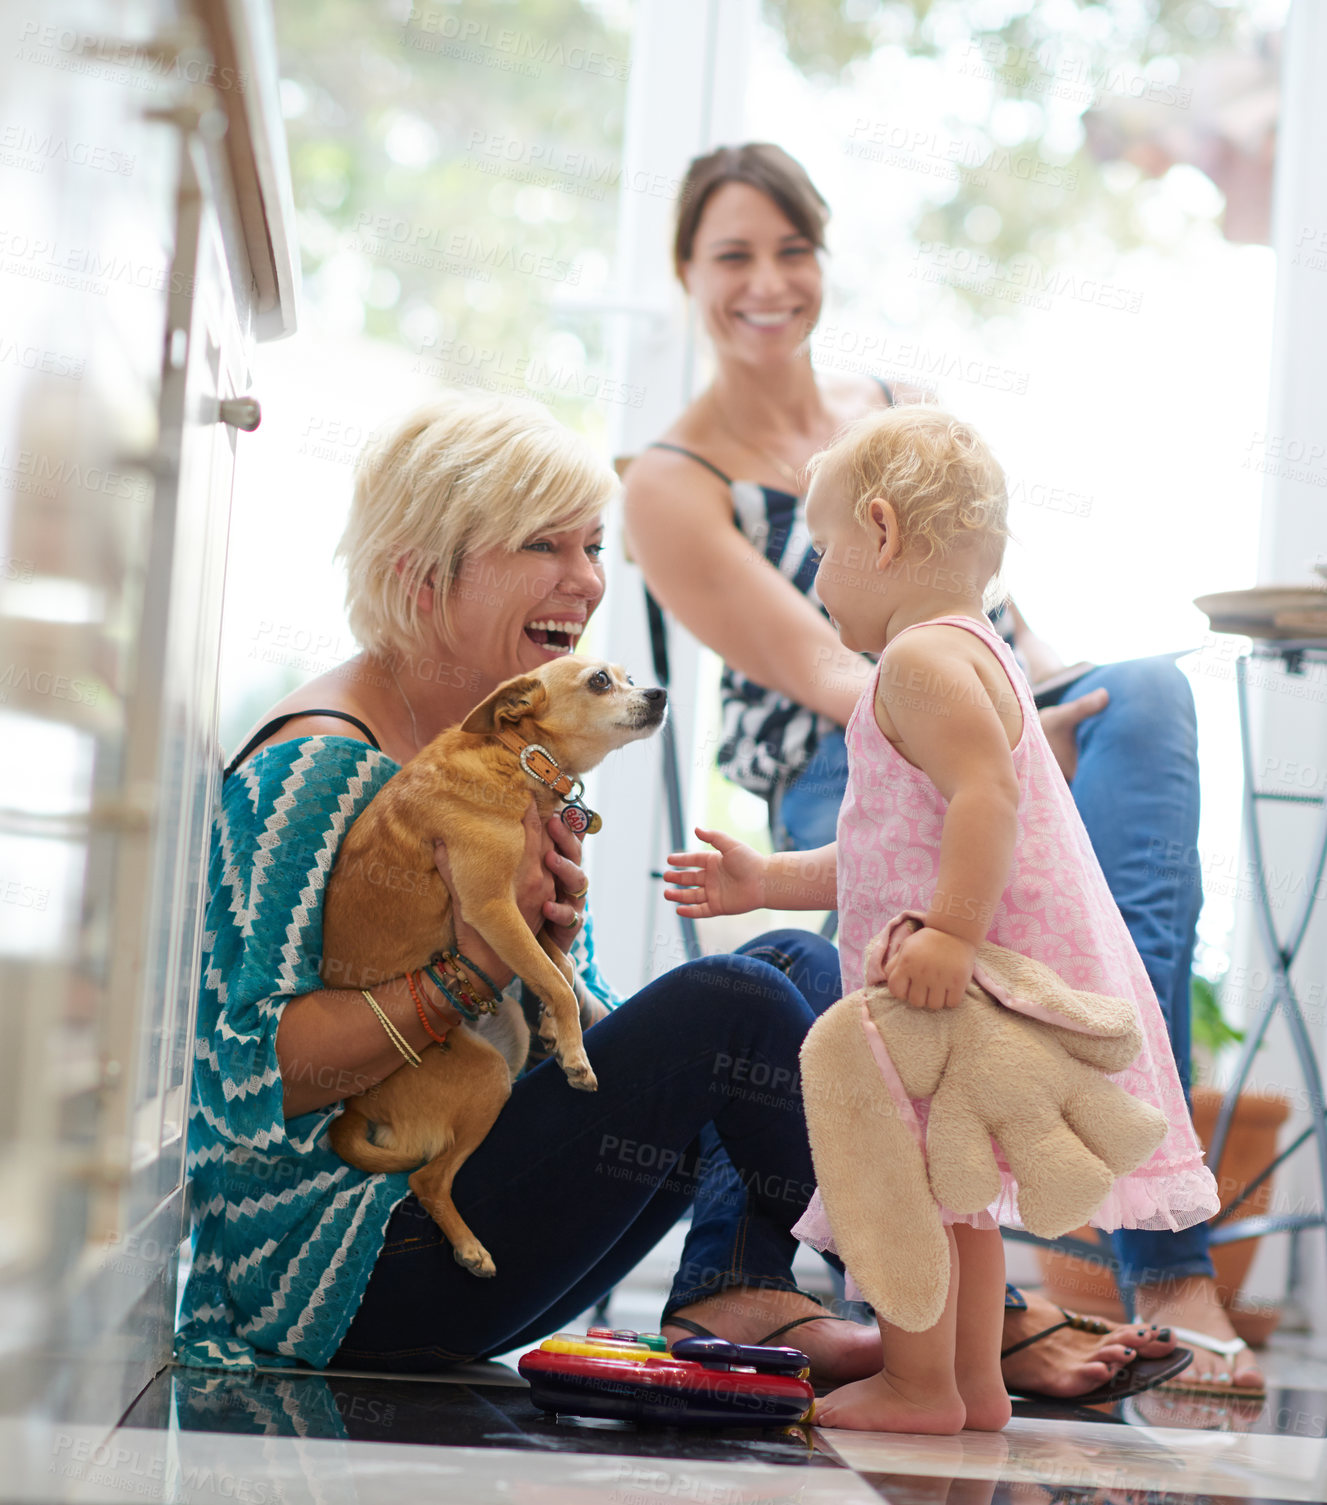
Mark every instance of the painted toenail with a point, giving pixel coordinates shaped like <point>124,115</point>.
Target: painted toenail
<point>1164,1335</point>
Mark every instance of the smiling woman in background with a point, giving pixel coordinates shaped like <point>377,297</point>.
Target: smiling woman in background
<point>715,519</point>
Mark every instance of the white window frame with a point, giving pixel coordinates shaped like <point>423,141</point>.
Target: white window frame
<point>690,61</point>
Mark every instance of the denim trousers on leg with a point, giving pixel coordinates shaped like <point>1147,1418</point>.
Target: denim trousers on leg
<point>1136,789</point>
<point>731,1243</point>
<point>805,815</point>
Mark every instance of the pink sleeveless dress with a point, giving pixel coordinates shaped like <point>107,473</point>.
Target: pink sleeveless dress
<point>1056,909</point>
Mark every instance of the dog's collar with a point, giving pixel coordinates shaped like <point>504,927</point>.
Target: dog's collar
<point>540,764</point>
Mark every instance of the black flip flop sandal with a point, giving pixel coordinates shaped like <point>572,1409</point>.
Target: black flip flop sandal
<point>692,1327</point>
<point>1134,1378</point>
<point>1138,1375</point>
<point>704,1332</point>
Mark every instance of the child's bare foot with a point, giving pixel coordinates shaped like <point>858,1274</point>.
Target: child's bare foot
<point>838,1350</point>
<point>879,1405</point>
<point>986,1403</point>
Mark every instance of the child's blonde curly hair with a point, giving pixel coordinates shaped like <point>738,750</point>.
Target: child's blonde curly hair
<point>934,469</point>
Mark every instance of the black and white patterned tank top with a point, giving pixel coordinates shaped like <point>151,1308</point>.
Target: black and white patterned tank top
<point>768,739</point>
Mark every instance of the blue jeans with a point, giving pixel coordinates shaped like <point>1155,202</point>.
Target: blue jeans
<point>805,814</point>
<point>730,1243</point>
<point>1136,789</point>
<point>571,1189</point>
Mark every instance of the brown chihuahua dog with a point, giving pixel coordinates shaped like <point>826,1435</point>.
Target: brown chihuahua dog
<point>388,912</point>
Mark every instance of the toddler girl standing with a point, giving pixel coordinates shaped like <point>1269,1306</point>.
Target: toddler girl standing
<point>954,807</point>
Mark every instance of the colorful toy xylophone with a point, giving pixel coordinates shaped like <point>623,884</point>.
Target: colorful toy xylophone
<point>629,1376</point>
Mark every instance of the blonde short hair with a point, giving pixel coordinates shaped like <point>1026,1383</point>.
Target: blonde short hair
<point>934,469</point>
<point>465,473</point>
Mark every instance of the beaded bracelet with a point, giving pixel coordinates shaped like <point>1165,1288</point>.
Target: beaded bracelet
<point>435,1007</point>
<point>457,956</point>
<point>466,1004</point>
<point>393,1034</point>
<point>415,993</point>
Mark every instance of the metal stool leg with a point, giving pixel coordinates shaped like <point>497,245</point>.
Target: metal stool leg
<point>677,831</point>
<point>672,772</point>
<point>1281,997</point>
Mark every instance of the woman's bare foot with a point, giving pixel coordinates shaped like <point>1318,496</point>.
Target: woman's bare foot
<point>879,1404</point>
<point>839,1351</point>
<point>1193,1302</point>
<point>1069,1362</point>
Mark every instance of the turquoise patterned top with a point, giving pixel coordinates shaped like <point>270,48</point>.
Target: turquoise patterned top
<point>285,1233</point>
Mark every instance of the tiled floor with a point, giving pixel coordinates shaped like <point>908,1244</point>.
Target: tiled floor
<point>283,1437</point>
<point>475,1437</point>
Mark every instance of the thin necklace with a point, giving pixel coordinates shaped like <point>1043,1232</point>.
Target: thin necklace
<point>784,469</point>
<point>414,728</point>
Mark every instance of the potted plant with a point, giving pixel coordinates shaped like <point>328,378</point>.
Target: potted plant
<point>1088,1285</point>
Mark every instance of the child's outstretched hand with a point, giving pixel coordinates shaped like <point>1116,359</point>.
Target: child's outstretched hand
<point>730,880</point>
<point>929,970</point>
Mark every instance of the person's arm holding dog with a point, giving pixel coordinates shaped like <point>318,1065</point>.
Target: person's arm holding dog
<point>328,1050</point>
<point>563,914</point>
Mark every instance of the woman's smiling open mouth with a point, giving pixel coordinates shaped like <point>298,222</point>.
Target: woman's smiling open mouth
<point>557,637</point>
<point>770,319</point>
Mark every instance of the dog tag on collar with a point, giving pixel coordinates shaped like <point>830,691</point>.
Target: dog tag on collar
<point>579,819</point>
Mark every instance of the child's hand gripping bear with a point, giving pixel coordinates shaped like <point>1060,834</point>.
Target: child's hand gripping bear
<point>929,969</point>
